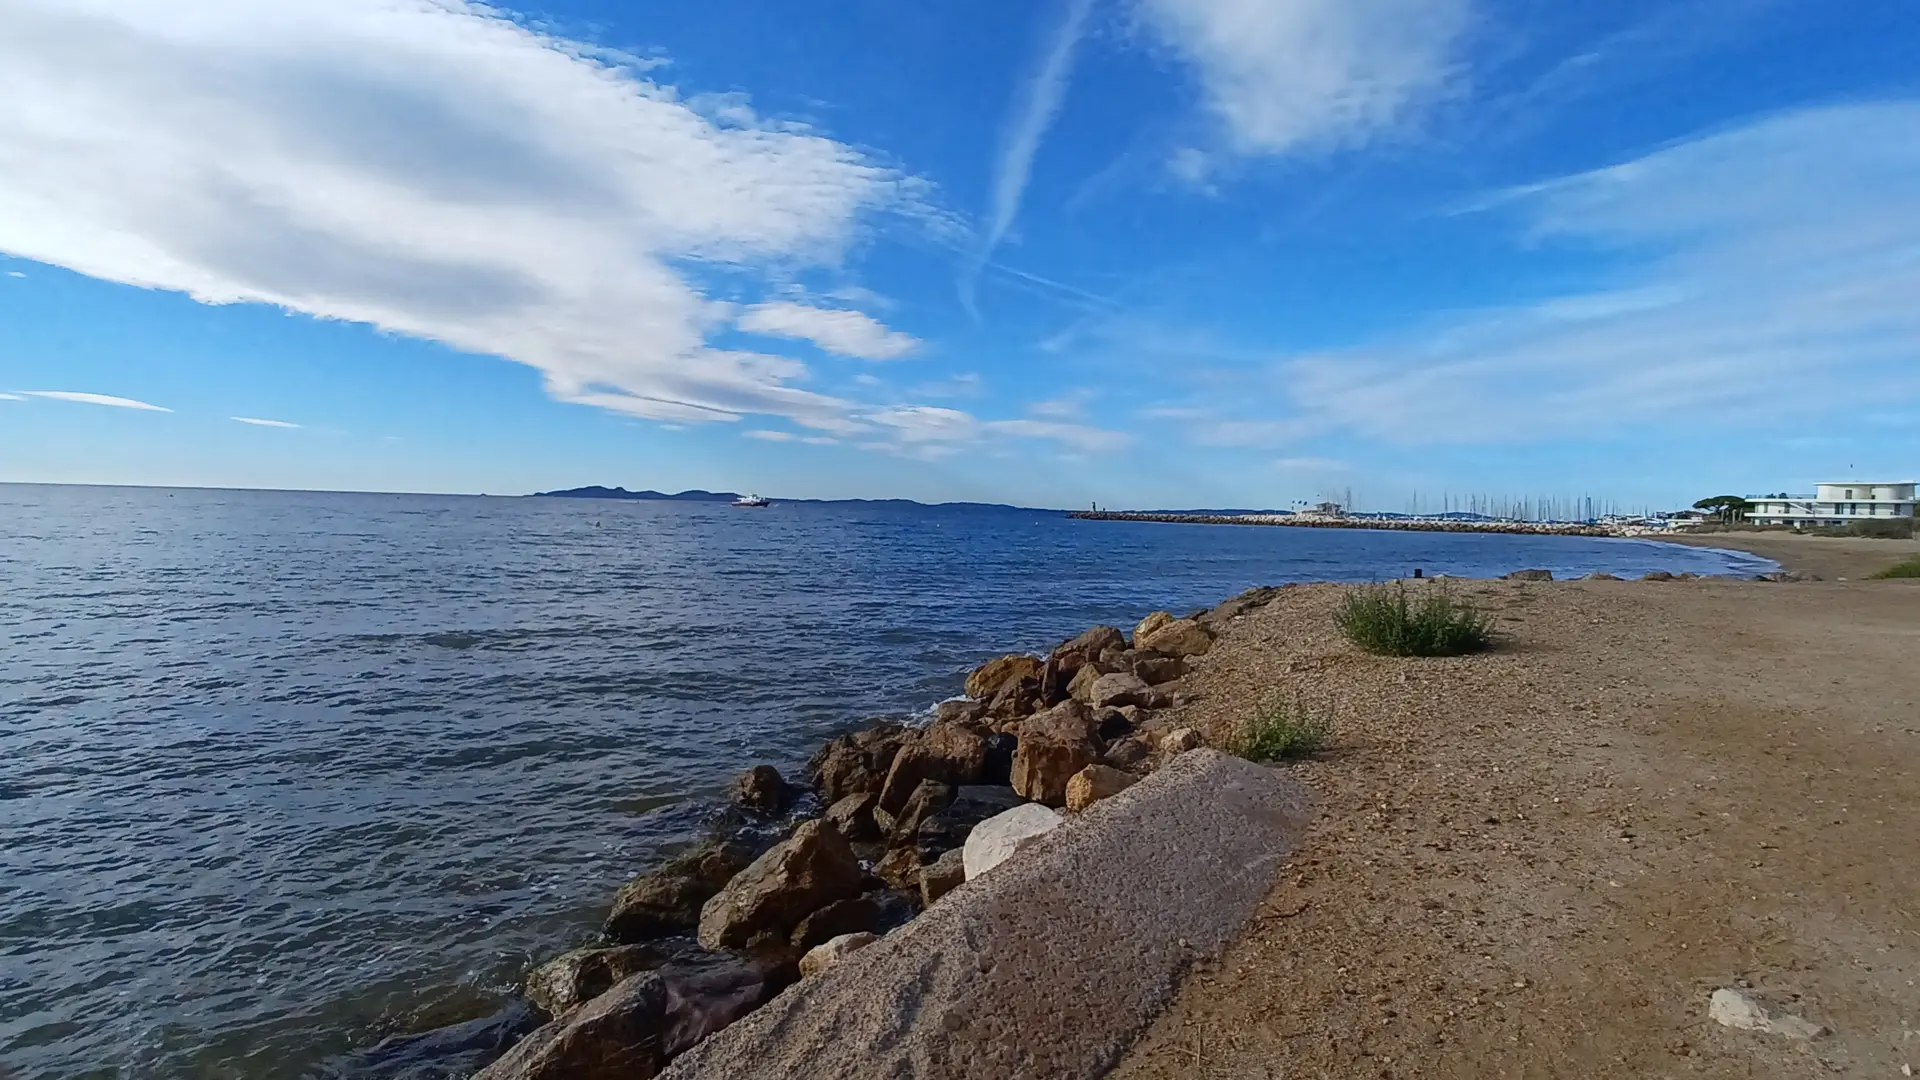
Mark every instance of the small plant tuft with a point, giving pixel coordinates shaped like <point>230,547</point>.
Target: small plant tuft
<point>1281,728</point>
<point>1906,568</point>
<point>1382,619</point>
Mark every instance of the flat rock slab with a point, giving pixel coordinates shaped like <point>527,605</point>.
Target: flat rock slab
<point>1049,965</point>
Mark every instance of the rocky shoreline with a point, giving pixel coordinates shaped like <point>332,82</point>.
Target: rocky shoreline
<point>904,815</point>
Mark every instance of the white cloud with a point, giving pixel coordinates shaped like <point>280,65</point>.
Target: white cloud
<point>1777,265</point>
<point>94,399</point>
<point>1291,75</point>
<point>15,274</point>
<point>768,436</point>
<point>967,384</point>
<point>257,422</point>
<point>844,333</point>
<point>432,168</point>
<point>931,427</point>
<point>1069,406</point>
<point>1038,103</point>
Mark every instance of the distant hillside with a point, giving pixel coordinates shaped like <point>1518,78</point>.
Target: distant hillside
<point>595,491</point>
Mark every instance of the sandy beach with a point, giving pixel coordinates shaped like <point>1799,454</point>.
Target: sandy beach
<point>1542,861</point>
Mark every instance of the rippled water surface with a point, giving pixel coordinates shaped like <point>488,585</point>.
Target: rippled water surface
<point>282,772</point>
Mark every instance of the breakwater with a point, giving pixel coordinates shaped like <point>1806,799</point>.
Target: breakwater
<point>1307,521</point>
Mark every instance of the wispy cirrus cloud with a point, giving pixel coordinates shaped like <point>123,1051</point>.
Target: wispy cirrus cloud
<point>1771,274</point>
<point>836,330</point>
<point>258,422</point>
<point>1035,107</point>
<point>107,400</point>
<point>438,170</point>
<point>935,432</point>
<point>1309,75</point>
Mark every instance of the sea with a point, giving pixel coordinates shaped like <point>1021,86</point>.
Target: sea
<point>282,773</point>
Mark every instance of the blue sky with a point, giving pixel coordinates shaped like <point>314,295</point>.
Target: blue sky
<point>1138,252</point>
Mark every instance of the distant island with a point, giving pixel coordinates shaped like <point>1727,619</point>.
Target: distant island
<point>595,491</point>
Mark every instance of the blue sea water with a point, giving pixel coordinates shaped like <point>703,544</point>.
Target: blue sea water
<point>284,772</point>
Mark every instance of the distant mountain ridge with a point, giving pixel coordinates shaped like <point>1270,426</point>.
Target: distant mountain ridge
<point>595,491</point>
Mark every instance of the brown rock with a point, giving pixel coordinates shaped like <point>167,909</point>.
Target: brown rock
<point>1133,754</point>
<point>1043,764</point>
<point>797,876</point>
<point>1153,669</point>
<point>1657,575</point>
<point>1112,691</point>
<point>857,762</point>
<point>1096,782</point>
<point>1181,740</point>
<point>1093,643</point>
<point>852,817</point>
<point>988,678</point>
<point>762,790</point>
<point>859,914</point>
<point>1068,720</point>
<point>1530,575</point>
<point>579,976</point>
<point>668,900</point>
<point>634,1029</point>
<point>949,753</point>
<point>900,867</point>
<point>1148,625</point>
<point>1179,637</point>
<point>942,876</point>
<point>1018,698</point>
<point>1081,687</point>
<point>928,799</point>
<point>1111,724</point>
<point>829,953</point>
<point>959,710</point>
<point>1056,677</point>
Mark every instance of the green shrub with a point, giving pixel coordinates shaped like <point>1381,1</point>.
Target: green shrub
<point>1889,529</point>
<point>1383,620</point>
<point>1906,568</point>
<point>1281,729</point>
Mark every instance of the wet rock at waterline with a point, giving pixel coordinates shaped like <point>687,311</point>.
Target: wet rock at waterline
<point>809,870</point>
<point>448,1053</point>
<point>989,678</point>
<point>579,976</point>
<point>667,900</point>
<point>762,790</point>
<point>634,1029</point>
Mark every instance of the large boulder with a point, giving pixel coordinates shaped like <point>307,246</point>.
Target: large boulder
<point>762,790</point>
<point>994,840</point>
<point>1530,575</point>
<point>988,678</point>
<point>800,875</point>
<point>947,753</point>
<point>1081,687</point>
<point>947,829</point>
<point>852,817</point>
<point>852,916</point>
<point>959,710</point>
<point>579,976</point>
<point>668,900</point>
<point>1177,637</point>
<point>828,953</point>
<point>1042,765</point>
<point>942,876</point>
<point>1120,688</point>
<point>1148,625</point>
<point>1096,782</point>
<point>856,762</point>
<point>634,1029</point>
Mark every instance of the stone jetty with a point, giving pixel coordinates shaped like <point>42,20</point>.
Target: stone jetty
<point>1047,810</point>
<point>1344,521</point>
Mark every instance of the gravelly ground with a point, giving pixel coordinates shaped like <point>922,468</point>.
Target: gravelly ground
<point>1541,861</point>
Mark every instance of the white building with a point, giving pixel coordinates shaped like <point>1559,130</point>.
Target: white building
<point>1838,503</point>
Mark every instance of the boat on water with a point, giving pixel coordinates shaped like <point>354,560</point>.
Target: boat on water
<point>752,500</point>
